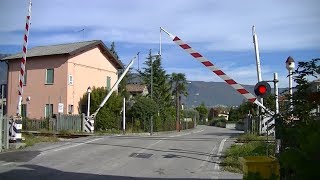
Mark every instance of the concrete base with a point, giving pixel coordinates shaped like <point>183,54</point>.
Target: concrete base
<point>16,145</point>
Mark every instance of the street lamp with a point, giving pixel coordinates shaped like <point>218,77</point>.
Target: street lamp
<point>290,66</point>
<point>89,92</point>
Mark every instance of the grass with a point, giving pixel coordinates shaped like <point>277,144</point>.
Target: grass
<point>251,137</point>
<point>252,148</point>
<point>30,139</point>
<point>108,131</point>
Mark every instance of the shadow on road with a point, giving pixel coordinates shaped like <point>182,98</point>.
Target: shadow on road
<point>39,172</point>
<point>18,156</point>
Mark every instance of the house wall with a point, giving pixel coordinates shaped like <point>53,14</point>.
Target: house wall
<point>35,87</point>
<point>90,68</point>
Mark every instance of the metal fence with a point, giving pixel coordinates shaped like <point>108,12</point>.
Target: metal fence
<point>69,122</point>
<point>62,122</point>
<point>4,132</point>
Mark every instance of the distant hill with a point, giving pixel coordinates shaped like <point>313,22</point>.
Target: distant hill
<point>211,93</point>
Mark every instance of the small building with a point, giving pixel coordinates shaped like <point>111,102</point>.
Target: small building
<point>59,74</point>
<point>137,89</point>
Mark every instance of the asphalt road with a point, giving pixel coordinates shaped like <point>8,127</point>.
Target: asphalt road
<point>186,155</point>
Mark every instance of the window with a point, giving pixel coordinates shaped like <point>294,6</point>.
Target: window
<point>70,108</point>
<point>24,82</point>
<point>49,76</point>
<point>48,111</point>
<point>24,110</point>
<point>70,79</point>
<point>108,82</point>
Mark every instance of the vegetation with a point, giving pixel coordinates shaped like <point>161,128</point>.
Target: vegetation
<point>142,110</point>
<point>30,139</point>
<point>165,117</point>
<point>297,129</point>
<point>203,113</point>
<point>178,85</point>
<point>300,139</point>
<point>254,147</point>
<point>109,115</point>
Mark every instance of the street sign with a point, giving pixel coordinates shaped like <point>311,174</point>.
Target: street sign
<point>60,107</point>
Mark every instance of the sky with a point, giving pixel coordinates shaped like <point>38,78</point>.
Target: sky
<point>220,30</point>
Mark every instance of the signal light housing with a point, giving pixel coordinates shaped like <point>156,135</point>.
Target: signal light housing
<point>262,89</point>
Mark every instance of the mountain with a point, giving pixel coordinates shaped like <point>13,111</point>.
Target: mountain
<point>213,94</point>
<point>210,93</point>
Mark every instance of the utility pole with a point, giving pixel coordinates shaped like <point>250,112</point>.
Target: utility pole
<point>124,116</point>
<point>257,55</point>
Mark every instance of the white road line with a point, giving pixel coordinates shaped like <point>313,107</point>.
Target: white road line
<point>216,167</point>
<point>146,148</point>
<point>59,149</point>
<point>208,157</point>
<point>187,133</point>
<point>8,163</point>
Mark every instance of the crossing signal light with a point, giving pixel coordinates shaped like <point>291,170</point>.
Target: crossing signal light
<point>262,89</point>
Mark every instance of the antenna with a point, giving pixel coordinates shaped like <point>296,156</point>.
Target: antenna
<point>82,30</point>
<point>138,61</point>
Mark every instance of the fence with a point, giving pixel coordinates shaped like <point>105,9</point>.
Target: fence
<point>69,122</point>
<point>4,132</point>
<point>62,122</point>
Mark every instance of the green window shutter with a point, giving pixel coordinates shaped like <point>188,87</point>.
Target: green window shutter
<point>108,82</point>
<point>48,110</point>
<point>49,76</point>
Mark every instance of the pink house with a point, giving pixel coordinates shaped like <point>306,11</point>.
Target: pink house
<point>60,74</point>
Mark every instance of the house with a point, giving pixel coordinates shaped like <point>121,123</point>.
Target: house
<point>59,74</point>
<point>137,89</point>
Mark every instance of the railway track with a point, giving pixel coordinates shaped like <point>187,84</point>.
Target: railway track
<point>59,135</point>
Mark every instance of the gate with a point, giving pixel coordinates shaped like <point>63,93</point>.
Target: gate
<point>72,122</point>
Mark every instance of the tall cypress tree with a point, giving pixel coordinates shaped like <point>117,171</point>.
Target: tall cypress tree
<point>160,85</point>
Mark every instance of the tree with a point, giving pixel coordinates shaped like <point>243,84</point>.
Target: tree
<point>300,139</point>
<point>203,112</point>
<point>143,109</point>
<point>178,85</point>
<point>160,85</point>
<point>113,50</point>
<point>109,115</point>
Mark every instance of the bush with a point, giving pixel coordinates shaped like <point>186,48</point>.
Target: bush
<point>231,162</point>
<point>219,122</point>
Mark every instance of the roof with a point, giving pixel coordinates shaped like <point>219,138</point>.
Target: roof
<point>135,87</point>
<point>69,49</point>
<point>289,59</point>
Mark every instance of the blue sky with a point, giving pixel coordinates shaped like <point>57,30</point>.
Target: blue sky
<point>220,30</point>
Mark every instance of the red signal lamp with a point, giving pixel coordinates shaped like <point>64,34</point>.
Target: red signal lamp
<point>262,89</point>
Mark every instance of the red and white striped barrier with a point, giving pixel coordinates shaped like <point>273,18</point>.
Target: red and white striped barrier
<point>250,97</point>
<point>16,122</point>
<point>23,59</point>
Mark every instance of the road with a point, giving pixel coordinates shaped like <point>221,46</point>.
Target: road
<point>185,155</point>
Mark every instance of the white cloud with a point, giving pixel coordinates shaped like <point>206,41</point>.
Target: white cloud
<point>220,25</point>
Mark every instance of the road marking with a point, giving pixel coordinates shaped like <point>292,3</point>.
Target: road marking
<point>208,157</point>
<point>146,148</point>
<point>216,167</point>
<point>59,149</point>
<point>8,163</point>
<point>187,133</point>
